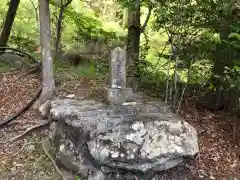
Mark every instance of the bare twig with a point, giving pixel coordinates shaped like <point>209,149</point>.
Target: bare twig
<point>188,79</point>
<point>25,145</point>
<point>28,130</point>
<point>156,65</point>
<point>180,101</point>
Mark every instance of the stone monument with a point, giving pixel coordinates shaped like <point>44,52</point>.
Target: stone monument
<point>117,92</point>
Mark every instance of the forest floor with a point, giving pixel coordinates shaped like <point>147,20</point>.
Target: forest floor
<point>219,156</point>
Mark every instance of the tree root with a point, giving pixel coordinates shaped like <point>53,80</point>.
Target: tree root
<point>36,68</point>
<point>46,148</point>
<point>32,70</point>
<point>25,108</point>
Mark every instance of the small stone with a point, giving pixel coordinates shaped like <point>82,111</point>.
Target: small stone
<point>62,147</point>
<point>212,177</point>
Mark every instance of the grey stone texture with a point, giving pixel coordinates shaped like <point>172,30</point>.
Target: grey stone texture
<point>145,137</point>
<point>116,92</point>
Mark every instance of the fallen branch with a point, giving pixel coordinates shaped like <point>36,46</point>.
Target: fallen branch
<point>46,147</point>
<point>28,130</point>
<point>12,72</point>
<point>32,70</point>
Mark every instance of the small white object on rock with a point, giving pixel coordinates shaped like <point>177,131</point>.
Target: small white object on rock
<point>71,96</point>
<point>13,171</point>
<point>129,103</point>
<point>30,147</point>
<point>96,175</point>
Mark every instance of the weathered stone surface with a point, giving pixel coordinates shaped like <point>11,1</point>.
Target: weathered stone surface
<point>177,173</point>
<point>118,95</point>
<point>143,143</point>
<point>96,175</point>
<point>13,60</point>
<point>118,68</point>
<point>116,92</point>
<point>143,137</point>
<point>44,109</point>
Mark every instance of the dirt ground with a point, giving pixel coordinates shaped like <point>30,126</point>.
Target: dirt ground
<point>219,156</point>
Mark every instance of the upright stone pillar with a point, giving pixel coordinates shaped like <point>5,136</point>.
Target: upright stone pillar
<point>116,92</point>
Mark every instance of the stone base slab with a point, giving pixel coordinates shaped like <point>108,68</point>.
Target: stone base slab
<point>118,96</point>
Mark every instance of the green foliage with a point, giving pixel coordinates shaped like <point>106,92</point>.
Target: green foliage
<point>87,70</point>
<point>79,25</point>
<point>77,178</point>
<point>230,79</point>
<point>206,34</point>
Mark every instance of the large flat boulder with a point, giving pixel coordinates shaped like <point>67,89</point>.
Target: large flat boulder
<point>143,137</point>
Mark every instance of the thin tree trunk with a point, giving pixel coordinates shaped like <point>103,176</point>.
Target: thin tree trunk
<point>167,84</point>
<point>12,10</point>
<point>124,19</point>
<point>58,35</point>
<point>147,18</point>
<point>185,87</point>
<point>175,89</point>
<point>48,84</point>
<point>59,25</point>
<point>36,14</point>
<point>133,41</point>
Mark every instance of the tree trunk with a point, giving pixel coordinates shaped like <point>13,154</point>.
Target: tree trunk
<point>59,25</point>
<point>124,19</point>
<point>58,33</point>
<point>12,10</point>
<point>48,84</point>
<point>133,41</point>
